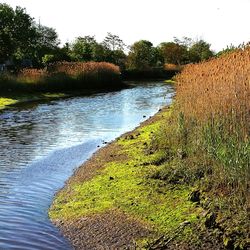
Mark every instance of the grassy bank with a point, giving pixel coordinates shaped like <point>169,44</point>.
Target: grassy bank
<point>182,177</point>
<point>4,102</point>
<point>63,77</point>
<point>11,99</point>
<point>122,178</point>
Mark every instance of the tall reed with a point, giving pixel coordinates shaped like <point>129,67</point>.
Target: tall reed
<point>213,98</point>
<point>64,76</point>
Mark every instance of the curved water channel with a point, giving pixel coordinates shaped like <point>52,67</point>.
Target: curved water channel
<point>42,143</point>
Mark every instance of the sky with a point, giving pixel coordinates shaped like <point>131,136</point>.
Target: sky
<point>219,22</point>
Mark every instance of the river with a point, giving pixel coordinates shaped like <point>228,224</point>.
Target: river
<point>42,143</point>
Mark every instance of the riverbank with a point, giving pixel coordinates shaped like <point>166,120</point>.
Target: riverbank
<point>115,200</point>
<point>43,142</point>
<point>9,100</point>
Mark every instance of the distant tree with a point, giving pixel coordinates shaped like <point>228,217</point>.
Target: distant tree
<point>83,48</point>
<point>21,39</point>
<point>100,53</point>
<point>114,50</point>
<point>17,33</point>
<point>173,52</point>
<point>58,54</point>
<point>227,50</point>
<point>113,42</point>
<point>46,43</point>
<point>47,37</point>
<point>118,57</point>
<point>142,55</point>
<point>200,51</point>
<point>184,41</point>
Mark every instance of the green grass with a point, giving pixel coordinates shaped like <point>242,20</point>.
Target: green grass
<point>4,102</point>
<point>126,186</point>
<point>12,99</point>
<point>170,81</point>
<point>154,185</point>
<point>198,162</point>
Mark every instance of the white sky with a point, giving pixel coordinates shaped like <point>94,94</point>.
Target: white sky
<point>219,22</point>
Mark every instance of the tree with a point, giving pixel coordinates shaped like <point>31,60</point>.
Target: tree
<point>17,33</point>
<point>187,42</point>
<point>100,53</point>
<point>46,43</point>
<point>200,51</point>
<point>48,58</point>
<point>114,50</point>
<point>6,26</point>
<point>83,48</point>
<point>113,42</point>
<point>227,50</point>
<point>173,52</point>
<point>21,38</point>
<point>142,55</point>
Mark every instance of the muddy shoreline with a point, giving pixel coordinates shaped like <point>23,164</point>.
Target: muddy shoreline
<point>112,229</point>
<point>93,219</point>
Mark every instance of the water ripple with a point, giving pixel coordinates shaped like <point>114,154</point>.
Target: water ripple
<point>42,144</point>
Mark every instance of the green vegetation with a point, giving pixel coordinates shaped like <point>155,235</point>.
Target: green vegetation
<point>4,102</point>
<point>170,81</point>
<point>24,43</point>
<point>142,56</point>
<point>127,186</point>
<point>225,204</point>
<point>209,132</point>
<point>10,99</point>
<point>188,166</point>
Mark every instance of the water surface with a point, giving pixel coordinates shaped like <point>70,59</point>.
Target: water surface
<point>42,144</point>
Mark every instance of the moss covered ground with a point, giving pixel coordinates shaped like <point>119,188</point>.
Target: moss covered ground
<point>7,100</point>
<point>4,102</point>
<point>150,177</point>
<point>127,185</point>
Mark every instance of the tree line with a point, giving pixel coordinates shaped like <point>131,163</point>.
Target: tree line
<point>23,42</point>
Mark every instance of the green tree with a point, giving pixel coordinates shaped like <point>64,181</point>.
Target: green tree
<point>173,52</point>
<point>185,41</point>
<point>46,43</point>
<point>227,50</point>
<point>17,33</point>
<point>200,51</point>
<point>83,48</point>
<point>21,38</point>
<point>100,53</point>
<point>113,42</point>
<point>142,55</point>
<point>114,50</point>
<point>6,35</point>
